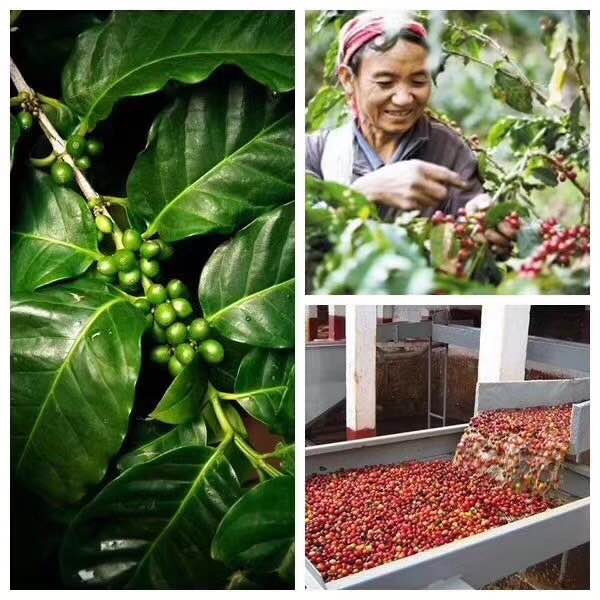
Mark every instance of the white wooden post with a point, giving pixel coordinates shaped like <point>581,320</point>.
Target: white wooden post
<point>337,326</point>
<point>503,342</point>
<point>361,326</point>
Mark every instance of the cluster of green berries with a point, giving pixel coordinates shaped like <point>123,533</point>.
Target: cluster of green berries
<point>30,109</point>
<point>80,151</point>
<point>179,337</point>
<point>137,258</point>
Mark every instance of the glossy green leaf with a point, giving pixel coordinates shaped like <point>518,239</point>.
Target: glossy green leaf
<point>152,526</point>
<point>138,52</point>
<point>189,434</point>
<point>327,109</point>
<point>263,384</point>
<point>217,158</point>
<point>512,91</point>
<point>53,237</point>
<point>247,286</point>
<point>15,134</point>
<point>185,397</point>
<point>223,375</point>
<point>75,359</point>
<point>286,455</point>
<point>258,531</point>
<point>60,115</point>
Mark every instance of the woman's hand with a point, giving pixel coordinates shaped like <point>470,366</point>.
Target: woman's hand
<point>409,185</point>
<point>501,238</point>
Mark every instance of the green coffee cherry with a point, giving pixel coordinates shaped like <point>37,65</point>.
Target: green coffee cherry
<point>182,307</point>
<point>176,288</point>
<point>158,333</point>
<point>150,249</point>
<point>175,367</point>
<point>143,304</point>
<point>165,315</point>
<point>76,146</point>
<point>130,279</point>
<point>83,163</point>
<point>176,334</point>
<point>150,268</point>
<point>25,120</point>
<point>125,260</point>
<point>184,353</point>
<point>94,147</point>
<point>199,330</point>
<point>107,266</point>
<point>104,224</point>
<point>61,172</point>
<point>166,251</point>
<point>212,352</point>
<point>156,293</point>
<point>160,354</point>
<point>132,240</point>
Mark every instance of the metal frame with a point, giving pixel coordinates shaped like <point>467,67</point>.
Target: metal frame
<point>476,560</point>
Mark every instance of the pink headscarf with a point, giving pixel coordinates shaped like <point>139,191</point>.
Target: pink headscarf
<point>360,31</point>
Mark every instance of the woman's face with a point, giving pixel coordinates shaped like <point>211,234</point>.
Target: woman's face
<point>391,88</point>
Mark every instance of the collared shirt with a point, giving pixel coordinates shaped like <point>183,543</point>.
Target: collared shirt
<point>427,140</point>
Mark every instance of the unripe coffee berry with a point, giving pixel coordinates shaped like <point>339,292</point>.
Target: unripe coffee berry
<point>182,307</point>
<point>76,146</point>
<point>132,240</point>
<point>156,293</point>
<point>150,268</point>
<point>176,333</point>
<point>165,315</point>
<point>176,288</point>
<point>150,249</point>
<point>185,353</point>
<point>160,354</point>
<point>125,260</point>
<point>104,224</point>
<point>175,367</point>
<point>212,352</point>
<point>199,330</point>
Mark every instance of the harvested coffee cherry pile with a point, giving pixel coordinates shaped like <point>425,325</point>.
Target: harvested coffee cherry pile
<point>363,518</point>
<point>524,448</point>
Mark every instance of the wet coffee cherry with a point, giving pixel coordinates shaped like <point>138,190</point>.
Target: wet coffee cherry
<point>175,367</point>
<point>212,352</point>
<point>156,293</point>
<point>199,330</point>
<point>176,333</point>
<point>184,353</point>
<point>132,240</point>
<point>76,146</point>
<point>125,260</point>
<point>182,307</point>
<point>150,268</point>
<point>62,173</point>
<point>107,266</point>
<point>176,288</point>
<point>160,354</point>
<point>150,249</point>
<point>104,224</point>
<point>165,315</point>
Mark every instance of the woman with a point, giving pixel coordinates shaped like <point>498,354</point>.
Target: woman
<point>391,151</point>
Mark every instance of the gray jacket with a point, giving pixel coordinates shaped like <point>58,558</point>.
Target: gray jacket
<point>427,140</point>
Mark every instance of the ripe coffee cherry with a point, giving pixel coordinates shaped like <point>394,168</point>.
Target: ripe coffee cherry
<point>94,147</point>
<point>212,352</point>
<point>107,266</point>
<point>130,279</point>
<point>76,146</point>
<point>176,333</point>
<point>185,353</point>
<point>150,249</point>
<point>160,354</point>
<point>175,367</point>
<point>156,293</point>
<point>83,163</point>
<point>165,315</point>
<point>176,288</point>
<point>150,268</point>
<point>199,330</point>
<point>61,172</point>
<point>132,240</point>
<point>182,307</point>
<point>104,224</point>
<point>25,120</point>
<point>125,260</point>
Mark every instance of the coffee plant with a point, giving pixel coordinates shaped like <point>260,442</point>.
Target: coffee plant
<point>541,144</point>
<point>160,162</point>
